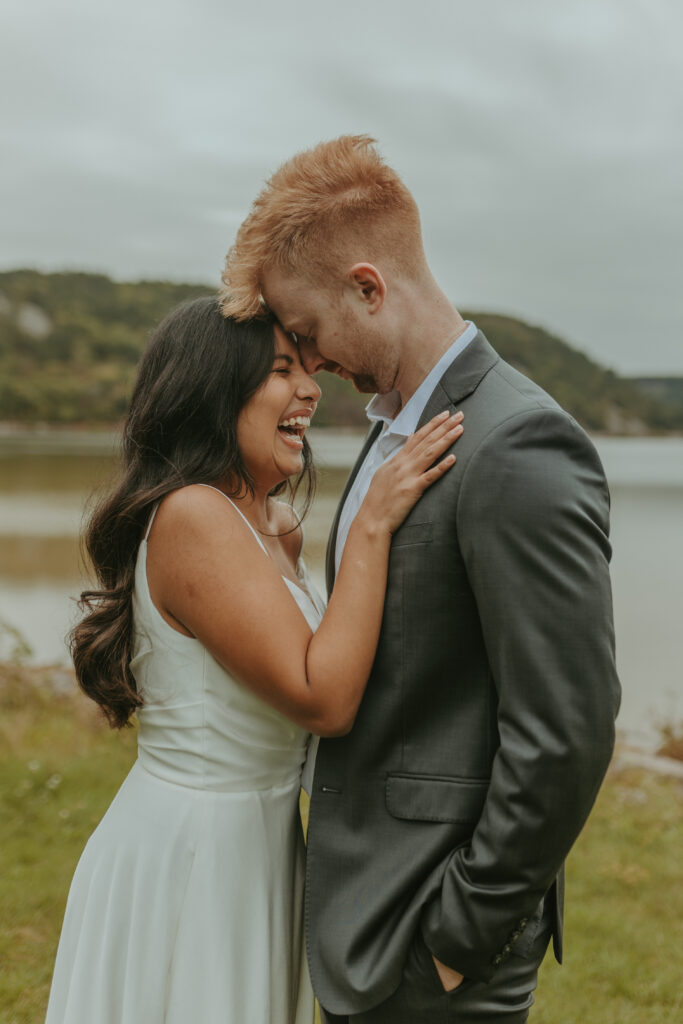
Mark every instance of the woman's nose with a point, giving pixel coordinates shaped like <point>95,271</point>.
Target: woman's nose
<point>309,389</point>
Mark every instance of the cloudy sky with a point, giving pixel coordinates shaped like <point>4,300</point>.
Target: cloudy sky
<point>543,142</point>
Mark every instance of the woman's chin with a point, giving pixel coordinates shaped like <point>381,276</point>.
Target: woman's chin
<point>282,471</point>
<point>292,467</point>
<point>289,457</point>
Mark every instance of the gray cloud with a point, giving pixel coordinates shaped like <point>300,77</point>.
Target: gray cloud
<point>543,146</point>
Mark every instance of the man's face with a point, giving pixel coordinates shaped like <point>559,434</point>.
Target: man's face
<point>331,329</point>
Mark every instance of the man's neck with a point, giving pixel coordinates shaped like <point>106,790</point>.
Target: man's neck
<point>435,326</point>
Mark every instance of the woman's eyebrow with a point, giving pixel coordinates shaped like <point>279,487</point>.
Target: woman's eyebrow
<point>283,355</point>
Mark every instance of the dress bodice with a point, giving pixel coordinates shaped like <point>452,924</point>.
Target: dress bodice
<point>200,727</point>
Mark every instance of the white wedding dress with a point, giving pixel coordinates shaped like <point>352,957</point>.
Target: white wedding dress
<point>186,905</point>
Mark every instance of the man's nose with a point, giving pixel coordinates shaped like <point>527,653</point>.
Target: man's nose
<point>311,360</point>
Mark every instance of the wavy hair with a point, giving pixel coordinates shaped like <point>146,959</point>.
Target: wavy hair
<point>197,373</point>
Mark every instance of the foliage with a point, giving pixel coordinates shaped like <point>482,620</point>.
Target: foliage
<point>671,741</point>
<point>79,366</point>
<point>667,389</point>
<point>70,343</point>
<point>597,397</point>
<point>14,648</point>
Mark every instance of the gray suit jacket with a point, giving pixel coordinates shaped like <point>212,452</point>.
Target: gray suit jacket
<point>488,720</point>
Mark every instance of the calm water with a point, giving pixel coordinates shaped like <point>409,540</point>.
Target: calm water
<point>42,497</point>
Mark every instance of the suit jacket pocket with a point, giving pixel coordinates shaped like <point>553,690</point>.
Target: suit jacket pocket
<point>435,798</point>
<point>413,533</point>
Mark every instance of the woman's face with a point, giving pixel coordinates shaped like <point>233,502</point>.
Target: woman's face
<point>271,426</point>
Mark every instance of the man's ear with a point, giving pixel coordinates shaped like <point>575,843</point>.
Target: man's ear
<point>369,286</point>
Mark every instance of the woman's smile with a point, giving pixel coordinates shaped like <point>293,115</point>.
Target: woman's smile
<point>283,405</point>
<point>293,427</point>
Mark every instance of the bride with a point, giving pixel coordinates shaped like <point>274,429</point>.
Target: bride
<point>186,904</point>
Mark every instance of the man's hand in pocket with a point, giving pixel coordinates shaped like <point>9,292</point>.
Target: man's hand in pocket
<point>450,979</point>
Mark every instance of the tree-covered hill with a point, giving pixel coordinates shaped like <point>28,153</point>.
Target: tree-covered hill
<point>600,399</point>
<point>666,389</point>
<point>70,342</point>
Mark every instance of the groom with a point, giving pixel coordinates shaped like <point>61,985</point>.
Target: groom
<point>439,825</point>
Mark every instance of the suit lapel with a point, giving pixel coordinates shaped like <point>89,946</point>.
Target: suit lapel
<point>332,542</point>
<point>462,377</point>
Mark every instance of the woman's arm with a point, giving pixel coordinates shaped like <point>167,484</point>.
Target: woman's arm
<point>207,573</point>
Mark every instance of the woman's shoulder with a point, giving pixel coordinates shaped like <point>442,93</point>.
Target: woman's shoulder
<point>191,497</point>
<point>193,508</point>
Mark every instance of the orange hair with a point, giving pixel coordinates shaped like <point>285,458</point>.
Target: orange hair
<point>311,210</point>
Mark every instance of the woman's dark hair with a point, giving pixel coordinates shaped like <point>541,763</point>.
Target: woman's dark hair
<point>198,371</point>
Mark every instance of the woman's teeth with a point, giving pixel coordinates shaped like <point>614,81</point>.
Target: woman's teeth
<point>292,430</point>
<point>296,421</point>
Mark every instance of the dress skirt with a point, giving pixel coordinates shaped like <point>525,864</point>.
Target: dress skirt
<point>186,908</point>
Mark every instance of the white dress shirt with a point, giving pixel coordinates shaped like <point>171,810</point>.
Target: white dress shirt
<point>399,424</point>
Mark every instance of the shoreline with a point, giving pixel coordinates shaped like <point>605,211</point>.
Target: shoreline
<point>43,439</point>
<point>67,439</point>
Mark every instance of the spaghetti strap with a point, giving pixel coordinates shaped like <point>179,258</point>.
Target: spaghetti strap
<point>241,514</point>
<point>151,520</point>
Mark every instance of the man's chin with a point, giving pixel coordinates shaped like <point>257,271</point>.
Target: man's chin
<point>361,382</point>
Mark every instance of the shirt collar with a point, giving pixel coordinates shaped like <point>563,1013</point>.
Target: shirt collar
<point>402,423</point>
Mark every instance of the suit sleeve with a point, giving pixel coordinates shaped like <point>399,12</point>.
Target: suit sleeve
<point>533,526</point>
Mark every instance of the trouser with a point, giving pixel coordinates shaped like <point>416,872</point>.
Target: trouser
<point>420,998</point>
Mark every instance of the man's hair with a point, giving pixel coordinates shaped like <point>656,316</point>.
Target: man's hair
<point>334,200</point>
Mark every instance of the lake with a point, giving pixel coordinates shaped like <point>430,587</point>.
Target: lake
<point>45,480</point>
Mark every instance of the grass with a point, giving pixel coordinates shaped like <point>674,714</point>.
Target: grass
<point>624,962</point>
<point>60,766</point>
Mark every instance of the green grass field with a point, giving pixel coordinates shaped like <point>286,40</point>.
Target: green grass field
<point>60,767</point>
